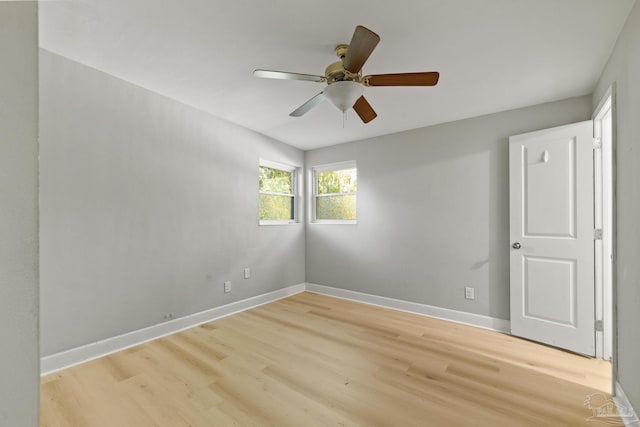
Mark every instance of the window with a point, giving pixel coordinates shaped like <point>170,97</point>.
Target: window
<point>334,193</point>
<point>277,184</point>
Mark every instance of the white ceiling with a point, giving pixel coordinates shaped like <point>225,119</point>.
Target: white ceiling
<point>492,55</point>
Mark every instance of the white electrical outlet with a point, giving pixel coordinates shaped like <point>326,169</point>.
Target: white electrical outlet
<point>247,273</point>
<point>469,293</point>
<point>227,287</point>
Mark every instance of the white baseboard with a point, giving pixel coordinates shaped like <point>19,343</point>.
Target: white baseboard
<point>85,353</point>
<point>625,409</point>
<point>486,322</point>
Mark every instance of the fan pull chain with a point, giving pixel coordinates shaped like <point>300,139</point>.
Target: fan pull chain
<point>344,118</point>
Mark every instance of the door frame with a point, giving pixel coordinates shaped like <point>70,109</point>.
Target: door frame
<point>606,308</point>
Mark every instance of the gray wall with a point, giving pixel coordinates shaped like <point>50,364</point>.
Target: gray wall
<point>147,207</point>
<point>20,380</point>
<point>624,69</point>
<point>433,211</point>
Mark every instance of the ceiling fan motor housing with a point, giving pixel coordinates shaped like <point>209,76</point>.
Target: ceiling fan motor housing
<point>336,73</point>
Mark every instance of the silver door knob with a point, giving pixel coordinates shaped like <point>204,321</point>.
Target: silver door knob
<point>516,245</point>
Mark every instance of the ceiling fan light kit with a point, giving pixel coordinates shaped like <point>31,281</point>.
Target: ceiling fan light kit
<point>345,83</point>
<point>343,94</point>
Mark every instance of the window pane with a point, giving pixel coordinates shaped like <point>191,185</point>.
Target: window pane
<point>276,207</point>
<point>275,180</point>
<point>336,207</point>
<point>342,181</point>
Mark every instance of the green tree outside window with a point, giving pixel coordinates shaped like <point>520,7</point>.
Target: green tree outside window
<point>277,199</point>
<point>335,197</point>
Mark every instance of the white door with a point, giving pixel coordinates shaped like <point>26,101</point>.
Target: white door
<point>552,237</point>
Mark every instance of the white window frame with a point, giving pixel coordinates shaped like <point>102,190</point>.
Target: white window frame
<point>294,170</point>
<point>351,164</point>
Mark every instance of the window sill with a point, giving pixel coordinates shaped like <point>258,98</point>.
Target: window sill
<point>276,222</point>
<point>335,222</point>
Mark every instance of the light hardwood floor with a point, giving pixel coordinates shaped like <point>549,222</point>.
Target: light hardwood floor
<point>313,360</point>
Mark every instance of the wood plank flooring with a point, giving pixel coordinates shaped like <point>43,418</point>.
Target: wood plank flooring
<point>313,360</point>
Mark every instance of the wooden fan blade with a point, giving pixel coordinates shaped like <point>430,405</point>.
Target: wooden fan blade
<point>403,79</point>
<point>304,108</point>
<point>268,74</point>
<point>364,110</point>
<point>362,44</point>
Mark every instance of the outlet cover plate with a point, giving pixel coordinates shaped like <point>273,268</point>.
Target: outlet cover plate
<point>469,293</point>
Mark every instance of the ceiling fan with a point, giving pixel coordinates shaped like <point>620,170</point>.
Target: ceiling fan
<point>345,83</point>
